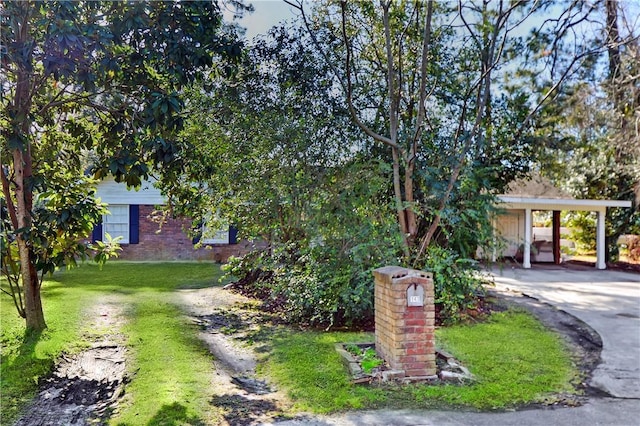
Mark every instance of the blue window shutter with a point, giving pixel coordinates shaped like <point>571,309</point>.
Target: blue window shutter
<point>197,232</point>
<point>233,235</point>
<point>134,224</point>
<point>96,235</point>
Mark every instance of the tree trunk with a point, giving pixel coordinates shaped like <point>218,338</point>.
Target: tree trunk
<point>394,99</point>
<point>32,300</point>
<point>402,219</point>
<point>22,177</point>
<point>613,40</point>
<point>34,314</point>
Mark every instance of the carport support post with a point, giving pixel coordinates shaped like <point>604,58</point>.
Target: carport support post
<point>600,241</point>
<point>526,261</point>
<point>557,256</point>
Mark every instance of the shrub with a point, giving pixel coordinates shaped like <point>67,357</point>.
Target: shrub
<point>319,285</point>
<point>633,247</point>
<point>323,287</point>
<point>583,226</point>
<point>457,284</point>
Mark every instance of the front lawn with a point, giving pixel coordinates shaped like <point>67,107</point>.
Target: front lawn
<point>515,359</point>
<point>170,367</point>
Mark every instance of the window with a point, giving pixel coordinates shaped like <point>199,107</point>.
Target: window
<point>219,237</point>
<point>116,224</point>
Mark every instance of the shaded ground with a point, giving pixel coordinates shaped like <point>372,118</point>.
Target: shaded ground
<point>85,387</point>
<point>616,266</point>
<point>235,333</point>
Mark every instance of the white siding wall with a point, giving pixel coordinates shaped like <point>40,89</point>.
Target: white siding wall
<point>112,192</point>
<point>510,227</point>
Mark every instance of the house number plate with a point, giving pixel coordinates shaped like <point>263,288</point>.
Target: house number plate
<point>415,295</point>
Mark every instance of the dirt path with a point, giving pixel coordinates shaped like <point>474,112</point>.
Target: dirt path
<point>85,387</point>
<point>228,327</point>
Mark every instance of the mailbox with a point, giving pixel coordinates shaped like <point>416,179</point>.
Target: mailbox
<point>415,295</point>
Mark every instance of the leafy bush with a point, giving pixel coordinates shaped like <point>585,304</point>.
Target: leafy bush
<point>321,286</point>
<point>321,274</point>
<point>318,285</point>
<point>633,247</point>
<point>456,283</point>
<point>583,225</point>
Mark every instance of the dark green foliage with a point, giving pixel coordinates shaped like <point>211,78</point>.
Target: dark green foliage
<point>456,282</point>
<point>324,276</point>
<point>320,286</point>
<point>90,86</point>
<point>282,161</point>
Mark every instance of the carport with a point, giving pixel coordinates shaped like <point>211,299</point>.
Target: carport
<point>531,204</point>
<point>538,194</point>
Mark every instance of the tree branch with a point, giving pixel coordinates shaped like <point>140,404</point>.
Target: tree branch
<point>345,86</point>
<point>11,208</point>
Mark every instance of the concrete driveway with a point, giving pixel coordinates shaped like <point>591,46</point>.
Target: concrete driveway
<point>608,301</point>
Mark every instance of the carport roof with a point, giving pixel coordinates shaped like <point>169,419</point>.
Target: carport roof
<point>539,203</point>
<point>538,193</point>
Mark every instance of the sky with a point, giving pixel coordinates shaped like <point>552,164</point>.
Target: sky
<point>267,14</point>
<point>270,12</point>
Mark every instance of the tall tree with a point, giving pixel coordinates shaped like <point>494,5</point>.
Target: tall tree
<point>426,81</point>
<point>264,140</point>
<point>623,88</point>
<point>595,121</point>
<point>274,152</point>
<point>89,77</point>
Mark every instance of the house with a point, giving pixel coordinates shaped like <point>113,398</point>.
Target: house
<point>145,235</point>
<point>514,225</point>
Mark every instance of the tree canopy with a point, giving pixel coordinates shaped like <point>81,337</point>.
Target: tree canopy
<point>89,88</point>
<point>364,133</point>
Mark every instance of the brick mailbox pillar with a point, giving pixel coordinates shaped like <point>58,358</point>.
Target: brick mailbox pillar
<point>405,320</point>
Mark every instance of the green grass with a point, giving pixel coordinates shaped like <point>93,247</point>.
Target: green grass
<point>171,367</point>
<point>307,365</point>
<point>515,360</point>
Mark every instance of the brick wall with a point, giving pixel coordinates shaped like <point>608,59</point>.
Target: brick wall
<point>170,242</point>
<point>405,334</point>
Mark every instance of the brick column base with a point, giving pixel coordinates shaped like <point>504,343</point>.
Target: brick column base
<point>405,320</point>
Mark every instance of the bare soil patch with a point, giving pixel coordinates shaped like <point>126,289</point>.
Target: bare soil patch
<point>235,334</point>
<point>85,387</point>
